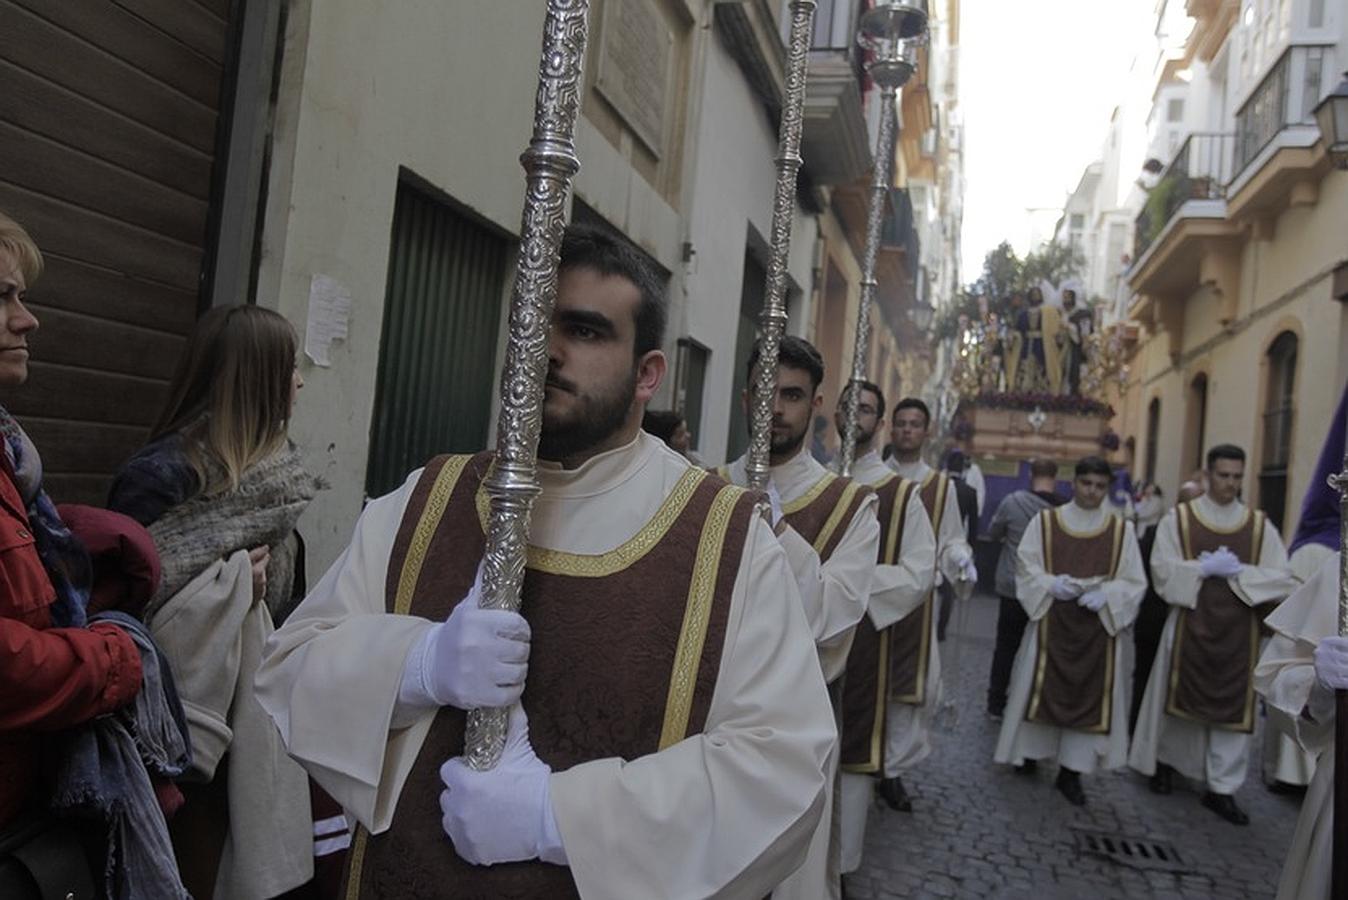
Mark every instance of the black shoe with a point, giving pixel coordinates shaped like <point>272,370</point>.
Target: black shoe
<point>1069,785</point>
<point>1286,789</point>
<point>1163,782</point>
<point>994,714</point>
<point>1029,767</point>
<point>892,792</point>
<point>1224,805</point>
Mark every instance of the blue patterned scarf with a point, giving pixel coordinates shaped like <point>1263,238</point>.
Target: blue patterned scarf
<point>62,555</point>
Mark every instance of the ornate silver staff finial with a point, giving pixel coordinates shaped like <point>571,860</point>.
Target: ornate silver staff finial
<point>889,31</point>
<point>772,321</point>
<point>549,164</point>
<point>1339,482</point>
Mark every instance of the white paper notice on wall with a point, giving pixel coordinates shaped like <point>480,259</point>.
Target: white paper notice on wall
<point>329,315</point>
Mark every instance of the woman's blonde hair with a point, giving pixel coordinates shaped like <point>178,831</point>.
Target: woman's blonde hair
<point>15,241</point>
<point>230,398</point>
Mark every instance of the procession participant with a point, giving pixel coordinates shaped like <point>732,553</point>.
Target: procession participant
<point>903,575</point>
<point>915,666</point>
<point>673,698</point>
<point>1079,576</point>
<point>831,536</point>
<point>1214,562</point>
<point>1303,665</point>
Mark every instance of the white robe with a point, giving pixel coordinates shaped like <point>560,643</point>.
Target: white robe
<point>908,727</point>
<point>1214,755</point>
<point>895,592</point>
<point>835,596</point>
<point>1020,740</point>
<point>731,810</point>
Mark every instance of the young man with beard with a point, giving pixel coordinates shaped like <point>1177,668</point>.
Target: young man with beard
<point>904,570</point>
<point>673,733</point>
<point>1080,579</point>
<point>915,672</point>
<point>829,530</point>
<point>1215,562</point>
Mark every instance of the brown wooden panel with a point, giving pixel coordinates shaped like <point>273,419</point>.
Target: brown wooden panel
<point>68,230</point>
<point>41,47</point>
<point>75,339</point>
<point>41,106</point>
<point>135,41</point>
<point>83,446</point>
<point>91,490</point>
<point>66,392</point>
<point>68,284</point>
<point>46,167</point>
<point>189,23</point>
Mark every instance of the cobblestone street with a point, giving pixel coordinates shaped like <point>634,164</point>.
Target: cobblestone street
<point>980,830</point>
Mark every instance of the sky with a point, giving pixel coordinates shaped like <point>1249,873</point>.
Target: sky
<point>1038,80</point>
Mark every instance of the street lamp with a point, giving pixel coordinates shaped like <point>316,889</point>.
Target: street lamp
<point>1332,115</point>
<point>921,315</point>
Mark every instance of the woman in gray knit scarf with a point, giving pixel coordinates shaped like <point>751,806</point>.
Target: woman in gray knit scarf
<point>220,488</point>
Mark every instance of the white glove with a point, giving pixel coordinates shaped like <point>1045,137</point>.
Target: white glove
<point>1092,600</point>
<point>1331,663</point>
<point>505,814</point>
<point>476,658</point>
<point>1221,563</point>
<point>775,503</point>
<point>1064,587</point>
<point>968,571</point>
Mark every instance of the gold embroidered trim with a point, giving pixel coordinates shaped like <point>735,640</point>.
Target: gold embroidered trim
<point>938,513</point>
<point>358,843</point>
<point>431,515</point>
<point>601,565</point>
<point>809,496</point>
<point>835,517</point>
<point>1244,520</point>
<point>896,521</point>
<point>696,617</point>
<point>918,695</point>
<point>1109,521</point>
<point>874,758</point>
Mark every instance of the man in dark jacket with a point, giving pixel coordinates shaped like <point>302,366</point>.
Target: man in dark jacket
<point>1008,525</point>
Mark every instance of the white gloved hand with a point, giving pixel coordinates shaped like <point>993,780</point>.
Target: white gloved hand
<point>504,814</point>
<point>1221,563</point>
<point>477,657</point>
<point>1331,663</point>
<point>1064,587</point>
<point>1092,600</point>
<point>968,571</point>
<point>775,503</point>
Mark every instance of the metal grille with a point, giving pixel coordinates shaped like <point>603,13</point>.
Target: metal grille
<point>1137,853</point>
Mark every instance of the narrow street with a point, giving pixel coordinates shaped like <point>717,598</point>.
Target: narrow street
<point>980,830</point>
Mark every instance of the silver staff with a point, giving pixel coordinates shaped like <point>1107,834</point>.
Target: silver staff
<point>773,320</point>
<point>549,164</point>
<point>889,31</point>
<point>1339,868</point>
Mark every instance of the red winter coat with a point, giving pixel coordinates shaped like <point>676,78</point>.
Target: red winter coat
<point>50,678</point>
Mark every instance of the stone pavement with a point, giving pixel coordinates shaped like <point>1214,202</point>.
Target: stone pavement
<point>980,830</point>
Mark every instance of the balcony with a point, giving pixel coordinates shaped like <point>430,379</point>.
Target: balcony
<point>835,141</point>
<point>1200,172</point>
<point>1285,98</point>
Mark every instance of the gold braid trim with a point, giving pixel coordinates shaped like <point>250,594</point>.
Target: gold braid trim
<point>429,521</point>
<point>835,517</point>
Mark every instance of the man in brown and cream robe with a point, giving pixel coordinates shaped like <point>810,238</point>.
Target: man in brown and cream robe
<point>1079,576</point>
<point>673,733</point>
<point>1217,563</point>
<point>831,535</point>
<point>903,575</point>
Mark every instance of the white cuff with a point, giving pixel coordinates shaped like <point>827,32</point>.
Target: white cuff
<point>414,692</point>
<point>1321,703</point>
<point>550,849</point>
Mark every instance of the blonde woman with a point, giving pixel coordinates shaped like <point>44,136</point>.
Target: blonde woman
<point>220,488</point>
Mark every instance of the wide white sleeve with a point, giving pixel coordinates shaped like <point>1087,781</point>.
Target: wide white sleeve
<point>729,812</point>
<point>1124,592</point>
<point>1285,675</point>
<point>899,589</point>
<point>1271,580</point>
<point>953,539</point>
<point>835,593</point>
<point>974,478</point>
<point>1175,578</point>
<point>329,677</point>
<point>1032,578</point>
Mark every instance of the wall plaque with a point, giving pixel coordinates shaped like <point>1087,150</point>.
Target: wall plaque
<point>635,51</point>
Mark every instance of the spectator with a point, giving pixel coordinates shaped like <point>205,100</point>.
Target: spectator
<point>220,487</point>
<point>1008,526</point>
<point>1149,509</point>
<point>670,427</point>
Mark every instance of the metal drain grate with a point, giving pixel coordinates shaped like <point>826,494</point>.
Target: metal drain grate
<point>1138,853</point>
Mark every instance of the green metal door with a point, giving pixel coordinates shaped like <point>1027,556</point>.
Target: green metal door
<point>442,310</point>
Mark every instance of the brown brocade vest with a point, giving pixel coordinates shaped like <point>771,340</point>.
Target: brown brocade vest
<point>910,638</point>
<point>624,658</point>
<point>821,514</point>
<point>1074,667</point>
<point>866,680</point>
<point>1216,642</point>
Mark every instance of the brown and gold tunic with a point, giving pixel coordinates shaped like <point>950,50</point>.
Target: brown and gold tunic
<point>910,638</point>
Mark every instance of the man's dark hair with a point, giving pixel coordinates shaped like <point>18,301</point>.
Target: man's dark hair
<point>867,386</point>
<point>661,423</point>
<point>587,247</point>
<point>1094,465</point>
<point>955,461</point>
<point>913,403</point>
<point>794,353</point>
<point>1225,451</point>
<point>1043,468</point>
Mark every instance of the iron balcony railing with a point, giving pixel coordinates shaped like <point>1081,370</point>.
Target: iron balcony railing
<point>1201,169</point>
<point>1286,96</point>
